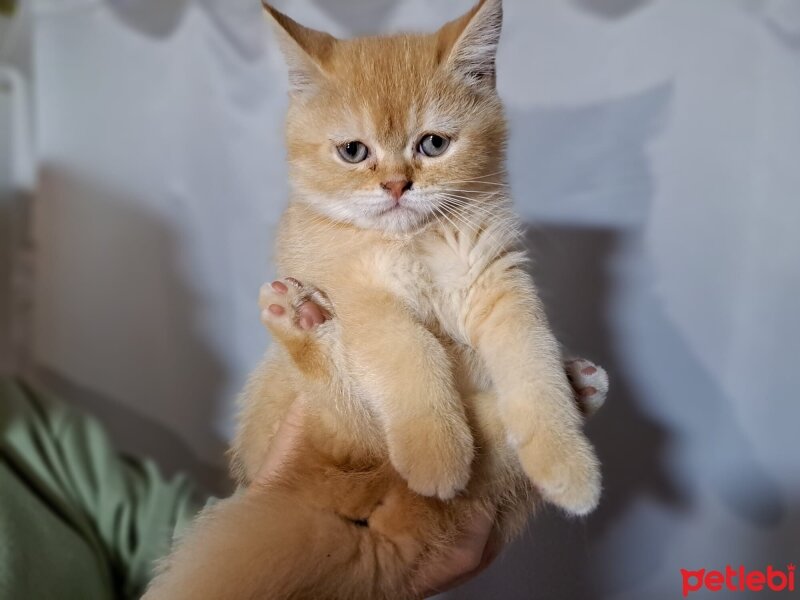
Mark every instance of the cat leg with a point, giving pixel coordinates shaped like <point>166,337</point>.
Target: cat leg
<point>494,476</point>
<point>362,356</point>
<point>304,356</point>
<point>405,374</point>
<point>505,321</point>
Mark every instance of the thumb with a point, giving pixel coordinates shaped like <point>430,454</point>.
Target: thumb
<point>285,444</point>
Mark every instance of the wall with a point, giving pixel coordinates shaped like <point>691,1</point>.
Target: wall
<point>17,176</point>
<point>654,153</point>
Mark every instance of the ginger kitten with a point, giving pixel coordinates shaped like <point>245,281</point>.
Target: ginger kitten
<point>416,339</point>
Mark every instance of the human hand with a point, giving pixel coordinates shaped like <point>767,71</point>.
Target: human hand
<point>471,553</point>
<point>285,444</point>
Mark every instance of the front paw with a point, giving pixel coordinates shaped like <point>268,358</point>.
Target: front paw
<point>564,467</point>
<point>291,307</point>
<point>433,455</point>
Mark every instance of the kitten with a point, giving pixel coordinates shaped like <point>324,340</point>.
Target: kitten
<point>433,383</point>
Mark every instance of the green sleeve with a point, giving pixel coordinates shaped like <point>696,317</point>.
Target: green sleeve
<point>77,519</point>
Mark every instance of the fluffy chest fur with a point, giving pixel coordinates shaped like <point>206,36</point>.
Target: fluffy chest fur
<point>434,274</point>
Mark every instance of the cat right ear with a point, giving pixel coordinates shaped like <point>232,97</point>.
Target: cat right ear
<point>469,43</point>
<point>303,48</point>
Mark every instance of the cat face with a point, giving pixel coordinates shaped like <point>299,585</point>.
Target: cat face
<point>390,133</point>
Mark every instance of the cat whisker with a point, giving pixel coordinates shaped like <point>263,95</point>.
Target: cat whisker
<point>477,192</point>
<point>473,221</point>
<point>462,181</point>
<point>486,205</point>
<point>466,210</point>
<point>468,220</point>
<point>446,217</point>
<point>475,203</point>
<point>499,237</point>
<point>489,211</point>
<point>487,175</point>
<point>461,219</point>
<point>476,197</point>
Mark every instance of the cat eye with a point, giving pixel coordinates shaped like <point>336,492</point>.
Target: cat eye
<point>433,145</point>
<point>353,152</point>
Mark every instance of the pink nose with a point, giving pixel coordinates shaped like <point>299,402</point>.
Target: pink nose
<point>396,188</point>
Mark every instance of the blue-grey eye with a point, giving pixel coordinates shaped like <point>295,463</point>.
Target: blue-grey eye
<point>353,152</point>
<point>433,145</point>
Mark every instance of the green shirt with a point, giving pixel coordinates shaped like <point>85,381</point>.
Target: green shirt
<point>77,519</point>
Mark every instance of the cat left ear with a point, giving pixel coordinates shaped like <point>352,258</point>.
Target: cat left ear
<point>305,50</point>
<point>468,45</point>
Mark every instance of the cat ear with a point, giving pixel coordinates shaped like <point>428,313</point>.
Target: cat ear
<point>468,44</point>
<point>303,48</point>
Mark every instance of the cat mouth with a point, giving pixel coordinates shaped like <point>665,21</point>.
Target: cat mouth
<point>397,207</point>
<point>402,217</point>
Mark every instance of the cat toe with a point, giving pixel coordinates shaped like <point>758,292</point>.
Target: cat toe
<point>287,304</point>
<point>590,384</point>
<point>435,461</point>
<point>566,473</point>
<point>279,287</point>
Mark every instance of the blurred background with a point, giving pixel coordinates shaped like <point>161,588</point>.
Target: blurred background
<point>655,155</point>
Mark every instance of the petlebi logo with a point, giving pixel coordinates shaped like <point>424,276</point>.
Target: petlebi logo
<point>739,580</point>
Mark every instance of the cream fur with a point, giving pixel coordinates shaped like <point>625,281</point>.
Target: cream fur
<point>437,386</point>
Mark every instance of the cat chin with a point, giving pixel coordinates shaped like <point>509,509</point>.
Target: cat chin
<point>398,221</point>
<point>402,220</point>
<point>413,216</point>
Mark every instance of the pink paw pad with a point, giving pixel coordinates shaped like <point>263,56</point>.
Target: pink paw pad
<point>590,383</point>
<point>291,298</point>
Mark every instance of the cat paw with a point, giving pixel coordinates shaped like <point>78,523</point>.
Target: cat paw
<point>288,304</point>
<point>434,458</point>
<point>565,469</point>
<point>589,382</point>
